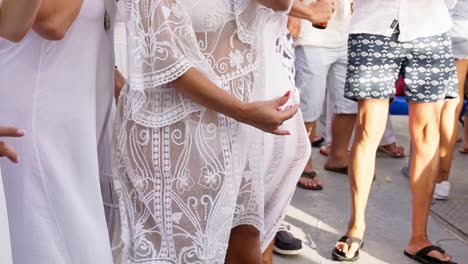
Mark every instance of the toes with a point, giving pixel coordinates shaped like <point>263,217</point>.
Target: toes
<point>352,250</point>
<point>343,247</point>
<point>440,256</point>
<point>307,182</point>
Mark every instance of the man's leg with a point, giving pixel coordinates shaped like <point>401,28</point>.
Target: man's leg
<point>424,122</point>
<point>311,72</point>
<point>342,129</point>
<point>388,143</point>
<point>465,134</point>
<point>449,124</point>
<point>344,115</point>
<point>370,126</point>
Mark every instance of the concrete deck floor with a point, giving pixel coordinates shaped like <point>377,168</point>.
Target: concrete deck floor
<point>320,218</point>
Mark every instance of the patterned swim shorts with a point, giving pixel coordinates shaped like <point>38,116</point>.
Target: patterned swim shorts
<point>375,61</point>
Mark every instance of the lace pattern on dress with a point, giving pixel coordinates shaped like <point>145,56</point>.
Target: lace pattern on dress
<point>178,166</point>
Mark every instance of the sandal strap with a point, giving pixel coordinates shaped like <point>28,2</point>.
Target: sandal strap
<point>343,239</point>
<point>351,240</point>
<point>425,251</point>
<point>310,175</point>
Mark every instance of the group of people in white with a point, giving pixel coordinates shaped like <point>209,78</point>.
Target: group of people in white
<point>190,150</point>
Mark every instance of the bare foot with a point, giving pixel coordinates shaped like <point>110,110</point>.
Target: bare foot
<point>325,150</point>
<point>354,232</point>
<point>464,148</point>
<point>393,150</point>
<point>310,181</point>
<point>415,245</point>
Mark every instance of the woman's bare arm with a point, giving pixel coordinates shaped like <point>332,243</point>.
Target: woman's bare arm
<point>277,5</point>
<point>17,17</point>
<point>55,18</point>
<point>264,115</point>
<point>320,11</point>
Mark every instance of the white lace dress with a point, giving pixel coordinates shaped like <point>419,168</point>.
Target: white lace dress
<point>186,175</point>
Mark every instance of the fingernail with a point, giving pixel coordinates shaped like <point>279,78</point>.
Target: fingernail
<point>288,93</point>
<point>21,132</point>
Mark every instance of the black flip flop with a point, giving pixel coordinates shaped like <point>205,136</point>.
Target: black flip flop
<point>318,143</point>
<point>309,175</point>
<point>422,256</point>
<point>340,255</point>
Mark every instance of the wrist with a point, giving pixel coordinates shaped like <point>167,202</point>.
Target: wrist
<point>241,111</point>
<point>311,14</point>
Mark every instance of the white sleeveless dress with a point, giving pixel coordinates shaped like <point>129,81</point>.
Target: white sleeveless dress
<point>5,247</point>
<point>60,93</point>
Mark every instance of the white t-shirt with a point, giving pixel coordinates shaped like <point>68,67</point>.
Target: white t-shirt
<point>334,36</point>
<point>416,18</point>
<point>461,10</point>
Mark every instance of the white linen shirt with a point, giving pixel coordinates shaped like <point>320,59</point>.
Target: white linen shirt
<point>416,18</point>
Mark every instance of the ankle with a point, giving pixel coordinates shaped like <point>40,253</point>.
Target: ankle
<point>356,227</point>
<point>418,239</point>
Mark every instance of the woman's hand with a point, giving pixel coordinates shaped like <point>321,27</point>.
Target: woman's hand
<point>265,115</point>
<point>119,82</point>
<point>294,26</point>
<point>5,149</point>
<point>268,115</point>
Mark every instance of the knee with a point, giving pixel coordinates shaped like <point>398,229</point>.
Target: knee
<point>426,136</point>
<point>368,133</point>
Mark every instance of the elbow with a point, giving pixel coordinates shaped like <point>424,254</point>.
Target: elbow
<point>276,5</point>
<point>14,36</point>
<point>50,31</point>
<point>281,5</point>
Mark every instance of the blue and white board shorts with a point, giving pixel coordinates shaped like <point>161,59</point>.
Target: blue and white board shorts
<point>375,62</point>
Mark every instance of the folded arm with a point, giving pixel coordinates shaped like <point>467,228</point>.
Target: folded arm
<point>17,17</point>
<point>320,11</point>
<point>55,18</point>
<point>277,5</point>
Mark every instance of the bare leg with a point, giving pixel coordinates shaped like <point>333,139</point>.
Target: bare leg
<point>370,126</point>
<point>449,124</point>
<point>310,127</point>
<point>268,254</point>
<point>424,122</point>
<point>342,129</point>
<point>244,246</point>
<point>465,133</point>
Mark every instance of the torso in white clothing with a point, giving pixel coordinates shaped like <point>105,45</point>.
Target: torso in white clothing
<point>60,92</point>
<point>416,18</point>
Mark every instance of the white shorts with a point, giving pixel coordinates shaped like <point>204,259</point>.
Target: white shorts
<point>319,70</point>
<point>460,38</point>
